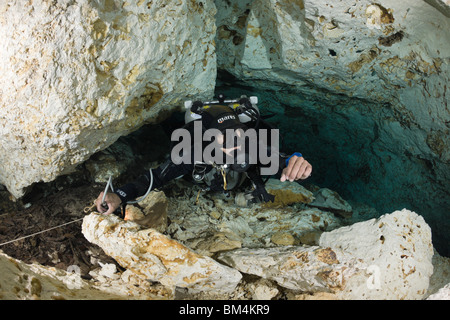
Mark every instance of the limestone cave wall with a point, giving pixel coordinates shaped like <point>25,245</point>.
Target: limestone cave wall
<point>77,75</point>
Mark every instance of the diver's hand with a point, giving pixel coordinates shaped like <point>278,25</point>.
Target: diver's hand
<point>112,200</point>
<point>298,168</point>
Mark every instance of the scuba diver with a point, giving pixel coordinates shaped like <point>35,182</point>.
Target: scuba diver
<point>229,162</point>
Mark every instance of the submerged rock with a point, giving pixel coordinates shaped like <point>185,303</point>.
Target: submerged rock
<point>217,242</point>
<point>283,238</point>
<point>287,193</point>
<point>21,281</point>
<point>263,290</point>
<point>442,294</point>
<point>327,199</point>
<point>372,51</point>
<point>386,258</point>
<point>397,251</point>
<point>156,257</point>
<point>150,212</point>
<point>301,268</point>
<point>253,226</point>
<point>79,74</point>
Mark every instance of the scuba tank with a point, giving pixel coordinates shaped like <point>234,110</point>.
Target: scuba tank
<point>246,108</point>
<point>235,113</point>
<point>225,114</point>
<point>221,114</point>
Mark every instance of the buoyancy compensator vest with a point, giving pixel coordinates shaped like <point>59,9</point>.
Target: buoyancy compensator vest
<point>225,114</point>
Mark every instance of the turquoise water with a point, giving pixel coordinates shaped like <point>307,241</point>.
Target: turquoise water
<point>358,149</point>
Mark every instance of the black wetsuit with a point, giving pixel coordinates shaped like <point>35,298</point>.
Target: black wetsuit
<point>169,171</point>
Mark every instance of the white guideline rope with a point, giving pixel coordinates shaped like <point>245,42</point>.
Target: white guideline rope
<point>32,235</point>
<point>108,185</point>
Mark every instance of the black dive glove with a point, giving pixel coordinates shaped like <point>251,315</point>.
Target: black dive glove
<point>261,194</point>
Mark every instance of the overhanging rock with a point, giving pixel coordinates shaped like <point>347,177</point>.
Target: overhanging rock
<point>156,257</point>
<point>77,75</point>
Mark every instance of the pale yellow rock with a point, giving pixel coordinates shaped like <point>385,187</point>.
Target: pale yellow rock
<point>153,213</point>
<point>156,257</point>
<point>316,296</point>
<point>301,268</point>
<point>215,214</point>
<point>283,238</point>
<point>263,290</point>
<point>21,281</point>
<point>287,193</point>
<point>385,258</point>
<point>220,241</point>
